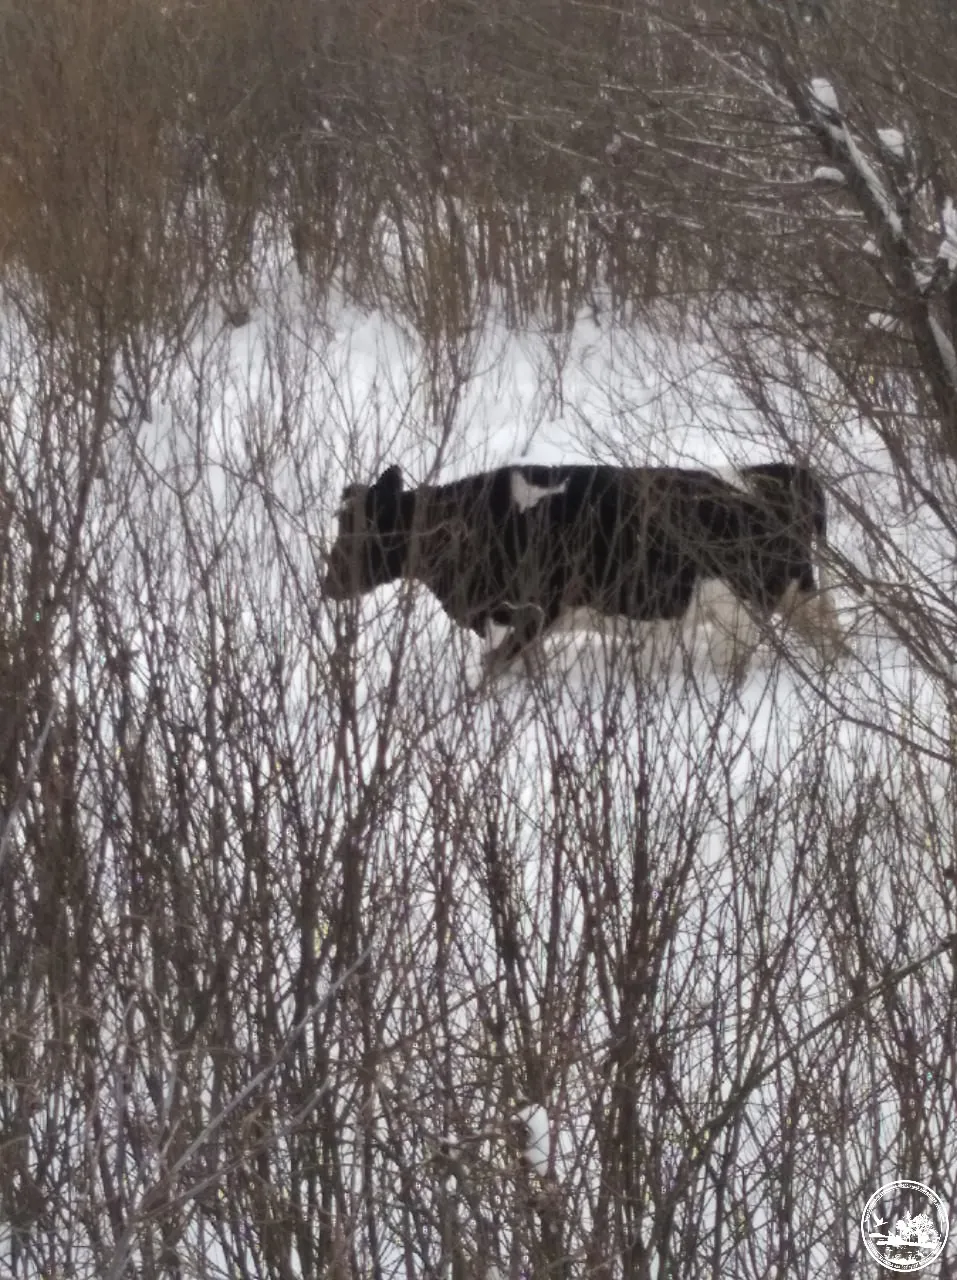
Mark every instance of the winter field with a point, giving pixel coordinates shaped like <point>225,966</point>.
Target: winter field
<point>322,956</point>
<point>352,916</point>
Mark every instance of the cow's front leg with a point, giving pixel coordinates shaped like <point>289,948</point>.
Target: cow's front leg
<point>735,632</point>
<point>529,624</point>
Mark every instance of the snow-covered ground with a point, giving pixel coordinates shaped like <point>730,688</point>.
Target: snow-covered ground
<point>255,440</point>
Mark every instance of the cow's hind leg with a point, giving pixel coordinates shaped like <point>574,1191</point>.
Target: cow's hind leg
<point>812,614</point>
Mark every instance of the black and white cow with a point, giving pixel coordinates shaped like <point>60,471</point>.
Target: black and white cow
<point>525,547</point>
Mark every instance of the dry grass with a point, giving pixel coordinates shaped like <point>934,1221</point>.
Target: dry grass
<point>145,144</point>
<point>275,914</point>
<point>545,151</point>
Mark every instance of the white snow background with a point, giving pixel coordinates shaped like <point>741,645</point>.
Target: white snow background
<point>316,400</point>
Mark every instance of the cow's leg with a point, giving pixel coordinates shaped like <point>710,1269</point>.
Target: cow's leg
<point>735,631</point>
<point>529,624</point>
<point>813,616</point>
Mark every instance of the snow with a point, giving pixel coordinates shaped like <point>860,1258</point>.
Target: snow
<point>620,395</point>
<point>947,252</point>
<point>824,99</point>
<point>827,173</point>
<point>879,194</point>
<point>892,140</point>
<point>822,91</point>
<point>948,218</point>
<point>945,346</point>
<point>884,321</point>
<point>538,1147</point>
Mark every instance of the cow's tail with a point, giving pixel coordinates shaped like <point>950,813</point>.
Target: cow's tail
<point>816,499</point>
<point>826,579</point>
<point>832,631</point>
<point>818,508</point>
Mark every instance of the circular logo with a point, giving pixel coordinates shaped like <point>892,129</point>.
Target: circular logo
<point>904,1226</point>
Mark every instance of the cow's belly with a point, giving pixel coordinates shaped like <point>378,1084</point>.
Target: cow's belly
<point>585,619</point>
<point>592,621</point>
<point>706,600</point>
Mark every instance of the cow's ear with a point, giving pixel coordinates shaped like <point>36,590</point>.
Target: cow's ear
<point>389,484</point>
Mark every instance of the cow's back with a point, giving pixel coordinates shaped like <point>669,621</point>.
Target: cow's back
<point>635,541</point>
<point>616,540</point>
<point>793,493</point>
<point>619,541</point>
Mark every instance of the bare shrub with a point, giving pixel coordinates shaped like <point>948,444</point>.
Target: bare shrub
<point>313,961</point>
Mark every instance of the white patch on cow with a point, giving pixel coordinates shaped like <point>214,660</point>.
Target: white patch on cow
<point>582,619</point>
<point>733,477</point>
<point>653,641</point>
<point>526,495</point>
<point>495,633</point>
<point>592,621</point>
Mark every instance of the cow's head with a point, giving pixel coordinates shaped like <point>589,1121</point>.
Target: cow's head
<point>371,544</point>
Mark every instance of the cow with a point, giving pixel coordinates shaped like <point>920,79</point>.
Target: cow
<point>526,547</point>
